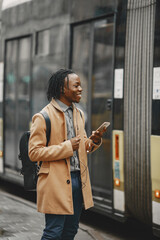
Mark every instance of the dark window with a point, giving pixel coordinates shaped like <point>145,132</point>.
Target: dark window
<point>92,59</point>
<point>43,42</point>
<point>51,41</point>
<point>17,96</point>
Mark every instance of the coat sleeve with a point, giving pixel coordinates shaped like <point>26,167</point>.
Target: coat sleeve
<point>38,151</point>
<point>90,146</point>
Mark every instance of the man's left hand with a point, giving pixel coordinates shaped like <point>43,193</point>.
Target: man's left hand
<point>96,136</point>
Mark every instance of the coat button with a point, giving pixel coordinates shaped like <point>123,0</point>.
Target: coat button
<point>68,181</point>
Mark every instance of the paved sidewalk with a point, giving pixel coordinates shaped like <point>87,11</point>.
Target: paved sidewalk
<point>19,220</point>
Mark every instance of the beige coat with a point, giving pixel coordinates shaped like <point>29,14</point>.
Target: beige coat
<point>54,188</point>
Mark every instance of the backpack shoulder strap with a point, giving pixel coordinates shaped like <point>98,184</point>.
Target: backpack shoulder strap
<point>48,125</point>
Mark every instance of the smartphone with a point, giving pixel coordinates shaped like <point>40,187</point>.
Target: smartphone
<point>104,125</point>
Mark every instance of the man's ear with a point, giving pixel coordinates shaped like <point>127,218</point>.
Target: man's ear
<point>62,90</point>
<point>65,87</point>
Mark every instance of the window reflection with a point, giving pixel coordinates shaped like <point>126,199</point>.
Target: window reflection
<point>41,74</point>
<point>102,78</point>
<point>17,103</point>
<point>102,71</point>
<point>43,42</point>
<point>80,61</point>
<point>92,60</point>
<point>51,41</point>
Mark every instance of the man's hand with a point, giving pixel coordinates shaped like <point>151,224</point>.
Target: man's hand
<point>96,136</point>
<point>75,142</point>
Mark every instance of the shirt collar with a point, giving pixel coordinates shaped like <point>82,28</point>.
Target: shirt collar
<point>63,106</point>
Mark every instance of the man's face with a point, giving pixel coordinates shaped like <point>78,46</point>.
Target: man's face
<point>72,89</point>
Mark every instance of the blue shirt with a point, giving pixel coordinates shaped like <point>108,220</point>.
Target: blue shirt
<point>68,111</point>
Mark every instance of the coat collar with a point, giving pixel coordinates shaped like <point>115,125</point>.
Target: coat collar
<point>56,105</point>
<point>63,106</point>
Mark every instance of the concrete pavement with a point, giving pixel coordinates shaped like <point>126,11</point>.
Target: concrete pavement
<point>19,220</point>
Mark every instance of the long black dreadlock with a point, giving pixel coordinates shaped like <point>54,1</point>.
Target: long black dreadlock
<point>56,83</point>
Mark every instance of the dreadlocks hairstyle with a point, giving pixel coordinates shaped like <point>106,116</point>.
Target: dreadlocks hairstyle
<point>56,83</point>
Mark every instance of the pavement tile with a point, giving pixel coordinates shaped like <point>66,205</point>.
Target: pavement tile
<point>19,220</point>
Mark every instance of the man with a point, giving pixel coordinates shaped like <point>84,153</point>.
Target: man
<point>63,182</point>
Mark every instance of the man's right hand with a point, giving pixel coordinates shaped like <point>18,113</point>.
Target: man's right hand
<point>75,142</point>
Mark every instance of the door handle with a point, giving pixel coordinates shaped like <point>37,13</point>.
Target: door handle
<point>109,104</point>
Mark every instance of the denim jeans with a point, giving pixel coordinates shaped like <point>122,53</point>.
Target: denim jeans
<point>65,227</point>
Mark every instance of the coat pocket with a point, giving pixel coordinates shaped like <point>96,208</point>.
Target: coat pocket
<point>44,170</point>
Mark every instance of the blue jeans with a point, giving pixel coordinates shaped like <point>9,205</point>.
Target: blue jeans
<point>65,227</point>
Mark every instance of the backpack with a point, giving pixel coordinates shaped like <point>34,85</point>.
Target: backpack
<point>30,169</point>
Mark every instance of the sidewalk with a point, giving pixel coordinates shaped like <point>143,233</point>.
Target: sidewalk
<point>19,220</point>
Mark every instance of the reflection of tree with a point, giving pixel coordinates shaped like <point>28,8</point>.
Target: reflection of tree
<point>11,78</point>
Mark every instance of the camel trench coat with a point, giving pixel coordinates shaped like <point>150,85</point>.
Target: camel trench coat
<point>54,187</point>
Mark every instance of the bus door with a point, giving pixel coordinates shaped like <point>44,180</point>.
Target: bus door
<point>93,60</point>
<point>16,98</point>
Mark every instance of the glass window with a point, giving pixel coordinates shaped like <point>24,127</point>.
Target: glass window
<point>10,102</point>
<point>43,42</point>
<point>102,80</point>
<point>57,36</point>
<point>17,97</point>
<point>1,87</point>
<point>24,84</point>
<point>80,61</point>
<point>41,74</point>
<point>51,41</point>
<point>92,59</point>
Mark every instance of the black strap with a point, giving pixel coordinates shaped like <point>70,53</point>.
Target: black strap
<point>48,125</point>
<point>48,130</point>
